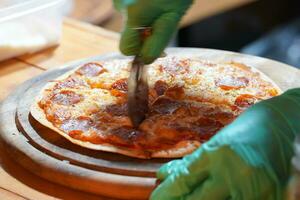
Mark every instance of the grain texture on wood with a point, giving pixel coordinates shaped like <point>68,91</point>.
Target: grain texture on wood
<point>8,195</point>
<point>79,40</point>
<point>20,181</point>
<point>12,74</point>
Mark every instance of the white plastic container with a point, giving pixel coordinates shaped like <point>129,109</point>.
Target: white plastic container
<point>27,26</point>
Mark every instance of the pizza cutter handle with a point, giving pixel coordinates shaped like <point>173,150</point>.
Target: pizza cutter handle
<point>146,32</point>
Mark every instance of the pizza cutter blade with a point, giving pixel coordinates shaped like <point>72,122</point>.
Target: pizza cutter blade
<point>138,84</point>
<point>138,92</point>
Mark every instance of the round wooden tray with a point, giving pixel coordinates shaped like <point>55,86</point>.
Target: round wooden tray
<point>47,154</point>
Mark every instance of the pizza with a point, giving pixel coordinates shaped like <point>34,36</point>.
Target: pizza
<point>190,100</point>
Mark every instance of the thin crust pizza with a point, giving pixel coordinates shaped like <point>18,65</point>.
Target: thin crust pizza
<point>190,100</point>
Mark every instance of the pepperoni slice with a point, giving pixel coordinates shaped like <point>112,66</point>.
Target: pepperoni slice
<point>126,135</point>
<point>225,117</point>
<point>66,98</point>
<point>80,124</point>
<point>208,126</point>
<point>241,66</point>
<point>160,87</point>
<point>70,82</point>
<point>91,69</point>
<point>165,106</point>
<point>245,100</point>
<point>152,95</point>
<point>120,85</point>
<point>117,110</point>
<point>230,82</point>
<point>175,92</point>
<point>58,115</point>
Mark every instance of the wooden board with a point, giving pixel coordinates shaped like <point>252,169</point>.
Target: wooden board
<point>52,157</point>
<point>19,72</point>
<point>79,40</point>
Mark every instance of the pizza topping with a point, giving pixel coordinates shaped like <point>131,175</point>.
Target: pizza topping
<point>152,96</point>
<point>117,93</point>
<point>107,121</point>
<point>225,117</point>
<point>245,100</point>
<point>79,124</point>
<point>119,88</point>
<point>201,129</point>
<point>92,109</point>
<point>70,82</point>
<point>165,106</point>
<point>272,92</point>
<point>175,92</point>
<point>230,82</point>
<point>184,105</point>
<point>160,87</point>
<point>66,97</point>
<point>120,85</point>
<point>126,135</point>
<point>117,110</point>
<point>91,69</point>
<point>61,114</point>
<point>175,67</point>
<point>185,63</point>
<point>241,66</point>
<point>191,81</point>
<point>99,85</point>
<point>206,126</point>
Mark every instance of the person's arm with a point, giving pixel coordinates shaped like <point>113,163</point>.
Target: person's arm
<point>248,159</point>
<point>162,16</point>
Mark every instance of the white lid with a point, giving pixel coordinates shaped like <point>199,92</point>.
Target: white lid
<point>10,9</point>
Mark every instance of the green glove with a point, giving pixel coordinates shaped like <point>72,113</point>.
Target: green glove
<point>248,159</point>
<point>162,15</point>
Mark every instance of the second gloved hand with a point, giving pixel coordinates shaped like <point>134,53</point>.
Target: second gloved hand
<point>249,159</point>
<point>162,16</point>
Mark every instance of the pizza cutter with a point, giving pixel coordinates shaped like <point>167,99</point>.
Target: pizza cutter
<point>137,92</point>
<point>138,86</point>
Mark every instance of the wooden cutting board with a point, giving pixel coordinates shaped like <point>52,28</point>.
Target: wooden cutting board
<point>47,154</point>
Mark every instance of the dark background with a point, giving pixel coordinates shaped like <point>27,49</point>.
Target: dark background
<point>265,28</point>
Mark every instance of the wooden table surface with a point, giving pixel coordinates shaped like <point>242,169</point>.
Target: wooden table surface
<point>79,40</point>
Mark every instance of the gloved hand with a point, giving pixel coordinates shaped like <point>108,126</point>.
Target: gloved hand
<point>162,15</point>
<point>248,159</point>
